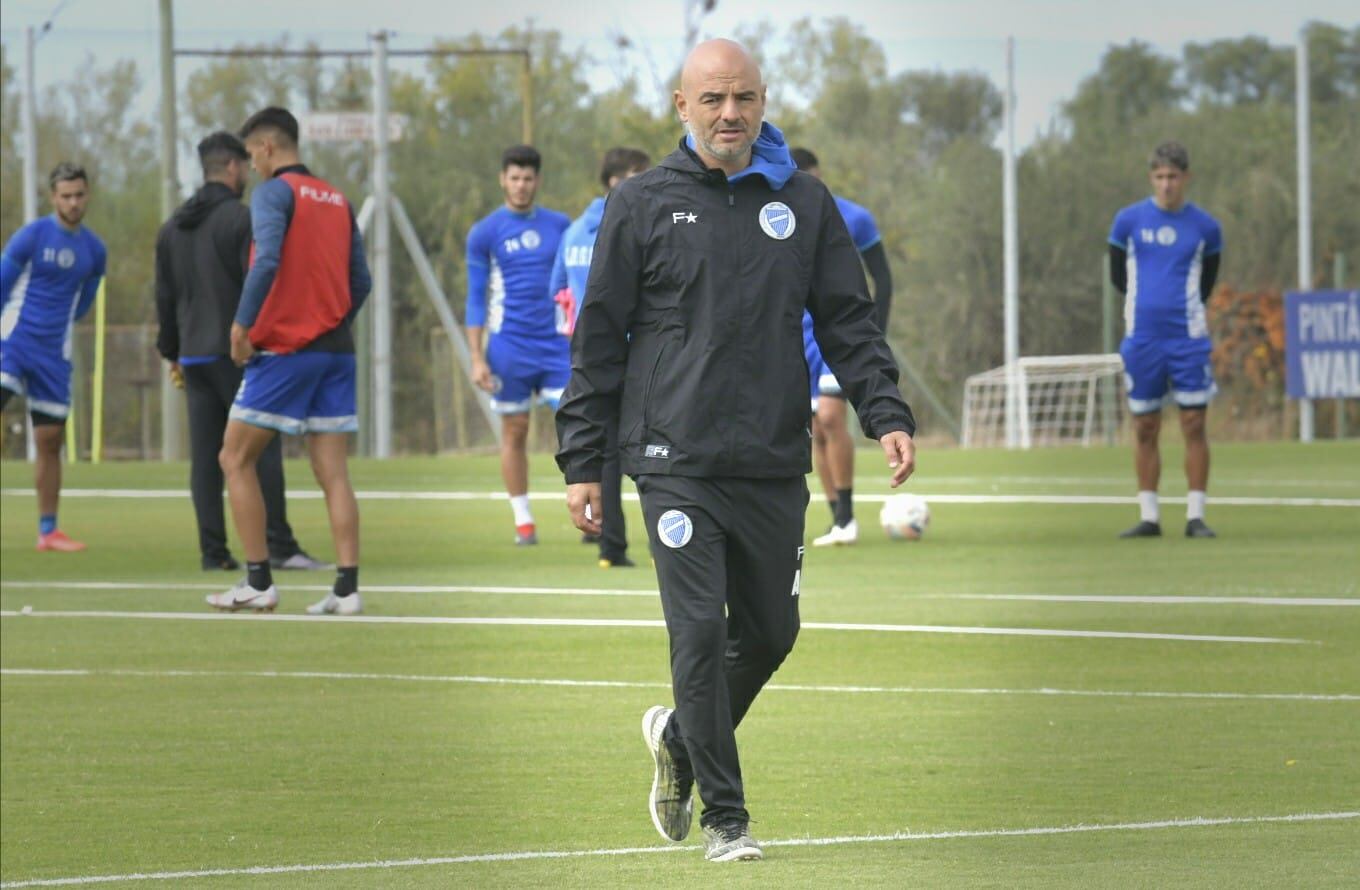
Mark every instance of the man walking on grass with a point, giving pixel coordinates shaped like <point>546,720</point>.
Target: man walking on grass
<point>690,339</point>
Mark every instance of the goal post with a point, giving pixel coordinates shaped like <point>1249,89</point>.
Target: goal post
<point>1059,400</point>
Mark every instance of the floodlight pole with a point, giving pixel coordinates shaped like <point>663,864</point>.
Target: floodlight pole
<point>382,257</point>
<point>29,113</point>
<point>1011,264</point>
<point>30,131</point>
<point>171,401</point>
<point>1301,115</point>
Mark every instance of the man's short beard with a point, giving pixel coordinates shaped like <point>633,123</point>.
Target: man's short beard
<point>713,151</point>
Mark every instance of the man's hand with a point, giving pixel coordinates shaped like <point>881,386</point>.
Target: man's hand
<point>583,502</point>
<point>241,347</point>
<point>176,375</point>
<point>481,375</point>
<point>901,453</point>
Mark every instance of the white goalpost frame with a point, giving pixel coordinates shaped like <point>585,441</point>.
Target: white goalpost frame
<point>1052,399</point>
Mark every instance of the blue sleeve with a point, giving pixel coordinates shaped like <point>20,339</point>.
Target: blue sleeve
<point>17,254</point>
<point>478,269</point>
<point>558,279</point>
<point>271,208</point>
<point>360,280</point>
<point>865,231</point>
<point>1213,238</point>
<point>1121,229</point>
<point>9,273</point>
<point>90,289</point>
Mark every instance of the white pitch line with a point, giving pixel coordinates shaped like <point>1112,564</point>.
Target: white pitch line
<point>651,594</point>
<point>1153,600</point>
<point>643,622</point>
<point>894,837</point>
<point>368,588</point>
<point>636,684</point>
<point>942,498</point>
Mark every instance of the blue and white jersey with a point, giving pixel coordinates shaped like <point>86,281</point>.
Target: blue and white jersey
<point>48,278</point>
<point>572,267</point>
<point>509,260</point>
<point>1166,252</point>
<point>864,232</point>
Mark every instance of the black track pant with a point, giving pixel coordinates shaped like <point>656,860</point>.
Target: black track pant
<point>730,597</point>
<point>210,389</point>
<point>613,533</point>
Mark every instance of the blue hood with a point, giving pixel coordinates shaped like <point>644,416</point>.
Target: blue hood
<point>769,158</point>
<point>590,219</point>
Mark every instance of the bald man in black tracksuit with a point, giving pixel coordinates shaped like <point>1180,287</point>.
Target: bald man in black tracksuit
<point>690,334</point>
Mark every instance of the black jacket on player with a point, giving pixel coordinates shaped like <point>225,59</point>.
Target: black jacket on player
<point>201,257</point>
<point>691,327</point>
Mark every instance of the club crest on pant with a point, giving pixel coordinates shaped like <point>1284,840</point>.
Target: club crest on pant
<point>777,220</point>
<point>674,529</point>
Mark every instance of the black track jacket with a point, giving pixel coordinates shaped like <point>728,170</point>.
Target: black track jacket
<point>201,257</point>
<point>691,328</point>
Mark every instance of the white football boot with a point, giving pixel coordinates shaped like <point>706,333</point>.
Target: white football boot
<point>243,596</point>
<point>839,535</point>
<point>337,605</point>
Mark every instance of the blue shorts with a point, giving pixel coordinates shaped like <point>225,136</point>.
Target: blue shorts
<point>301,392</point>
<point>524,370</point>
<point>1154,367</point>
<point>42,375</point>
<point>820,377</point>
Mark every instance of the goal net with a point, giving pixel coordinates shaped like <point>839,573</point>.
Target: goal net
<point>1059,400</point>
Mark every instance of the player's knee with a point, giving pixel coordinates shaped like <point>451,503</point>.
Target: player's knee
<point>330,474</point>
<point>1192,424</point>
<point>231,460</point>
<point>48,439</point>
<point>515,429</point>
<point>1146,430</point>
<point>779,648</point>
<point>765,656</point>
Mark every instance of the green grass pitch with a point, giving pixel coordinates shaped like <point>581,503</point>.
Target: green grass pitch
<point>139,746</point>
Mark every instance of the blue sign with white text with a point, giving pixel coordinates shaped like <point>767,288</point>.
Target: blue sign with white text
<point>1322,344</point>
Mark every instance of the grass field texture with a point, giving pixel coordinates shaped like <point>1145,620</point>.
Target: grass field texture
<point>1019,700</point>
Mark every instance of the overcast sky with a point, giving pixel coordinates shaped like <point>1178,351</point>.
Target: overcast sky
<point>1058,42</point>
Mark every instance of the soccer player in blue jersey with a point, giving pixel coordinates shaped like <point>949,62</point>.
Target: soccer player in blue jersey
<point>833,449</point>
<point>516,332</point>
<point>49,275</point>
<point>1164,255</point>
<point>568,287</point>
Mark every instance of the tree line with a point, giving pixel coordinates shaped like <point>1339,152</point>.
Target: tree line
<point>915,147</point>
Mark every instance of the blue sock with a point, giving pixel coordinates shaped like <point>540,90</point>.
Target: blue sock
<point>47,524</point>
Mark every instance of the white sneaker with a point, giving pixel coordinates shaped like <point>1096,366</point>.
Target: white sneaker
<point>337,605</point>
<point>243,596</point>
<point>839,535</point>
<point>671,801</point>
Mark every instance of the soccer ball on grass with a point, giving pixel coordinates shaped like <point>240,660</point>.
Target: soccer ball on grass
<point>904,517</point>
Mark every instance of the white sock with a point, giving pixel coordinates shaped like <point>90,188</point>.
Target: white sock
<point>1147,506</point>
<point>520,504</point>
<point>1194,505</point>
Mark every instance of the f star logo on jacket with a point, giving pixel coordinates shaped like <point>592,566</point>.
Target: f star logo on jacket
<point>685,216</point>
